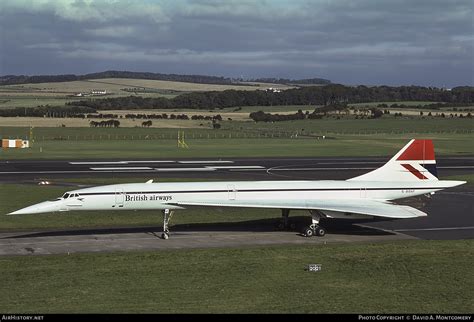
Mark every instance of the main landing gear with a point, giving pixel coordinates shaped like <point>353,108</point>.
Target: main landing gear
<point>285,223</point>
<point>314,229</point>
<point>167,214</point>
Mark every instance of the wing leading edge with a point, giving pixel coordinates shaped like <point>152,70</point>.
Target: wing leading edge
<point>362,207</point>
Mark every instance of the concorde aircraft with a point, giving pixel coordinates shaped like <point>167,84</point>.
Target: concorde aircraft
<point>411,172</point>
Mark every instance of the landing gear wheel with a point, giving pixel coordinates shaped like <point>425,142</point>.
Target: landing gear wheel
<point>308,232</point>
<point>280,226</point>
<point>320,231</point>
<point>165,236</point>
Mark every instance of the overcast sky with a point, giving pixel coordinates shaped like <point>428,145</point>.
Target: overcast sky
<point>393,42</point>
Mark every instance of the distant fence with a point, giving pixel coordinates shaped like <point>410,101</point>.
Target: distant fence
<point>164,136</point>
<point>243,135</point>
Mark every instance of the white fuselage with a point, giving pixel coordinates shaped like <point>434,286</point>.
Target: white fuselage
<point>148,196</point>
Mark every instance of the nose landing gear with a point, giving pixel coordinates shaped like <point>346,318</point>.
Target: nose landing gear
<point>167,214</point>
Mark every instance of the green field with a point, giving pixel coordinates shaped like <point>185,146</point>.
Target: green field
<point>409,276</point>
<point>385,125</point>
<point>389,125</point>
<point>382,137</point>
<point>224,148</point>
<point>329,126</point>
<point>55,94</point>
<point>7,102</point>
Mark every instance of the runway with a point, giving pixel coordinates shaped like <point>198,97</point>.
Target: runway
<point>229,168</point>
<point>451,212</point>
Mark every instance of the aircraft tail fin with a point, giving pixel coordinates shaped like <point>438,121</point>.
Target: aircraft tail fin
<point>414,162</point>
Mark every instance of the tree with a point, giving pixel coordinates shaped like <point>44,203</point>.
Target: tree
<point>375,113</point>
<point>147,123</point>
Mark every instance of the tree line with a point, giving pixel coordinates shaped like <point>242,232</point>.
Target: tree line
<point>306,81</point>
<point>318,113</point>
<point>261,116</point>
<point>310,95</point>
<point>165,116</point>
<point>431,106</point>
<point>84,112</point>
<point>202,79</point>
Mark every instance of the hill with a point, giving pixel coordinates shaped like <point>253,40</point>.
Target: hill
<point>200,79</point>
<point>22,79</point>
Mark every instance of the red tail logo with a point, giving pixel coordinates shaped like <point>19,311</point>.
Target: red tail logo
<point>419,150</point>
<point>413,171</point>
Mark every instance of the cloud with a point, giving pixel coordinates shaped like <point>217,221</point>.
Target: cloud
<point>88,10</point>
<point>112,31</point>
<point>392,42</point>
<point>266,10</point>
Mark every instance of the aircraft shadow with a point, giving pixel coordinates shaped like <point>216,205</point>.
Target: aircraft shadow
<point>333,226</point>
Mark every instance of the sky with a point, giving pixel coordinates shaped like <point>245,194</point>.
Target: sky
<point>371,42</point>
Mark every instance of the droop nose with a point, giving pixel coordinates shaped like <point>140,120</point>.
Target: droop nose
<point>47,206</point>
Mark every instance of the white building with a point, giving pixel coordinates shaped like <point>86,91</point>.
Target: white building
<point>99,92</point>
<point>274,90</point>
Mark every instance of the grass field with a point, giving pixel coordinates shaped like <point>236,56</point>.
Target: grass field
<point>180,86</point>
<point>55,94</point>
<point>7,102</point>
<point>115,86</point>
<point>389,125</point>
<point>324,126</point>
<point>246,139</point>
<point>343,145</point>
<point>410,276</point>
<point>85,123</point>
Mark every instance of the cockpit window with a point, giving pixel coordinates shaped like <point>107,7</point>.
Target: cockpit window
<point>68,195</point>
